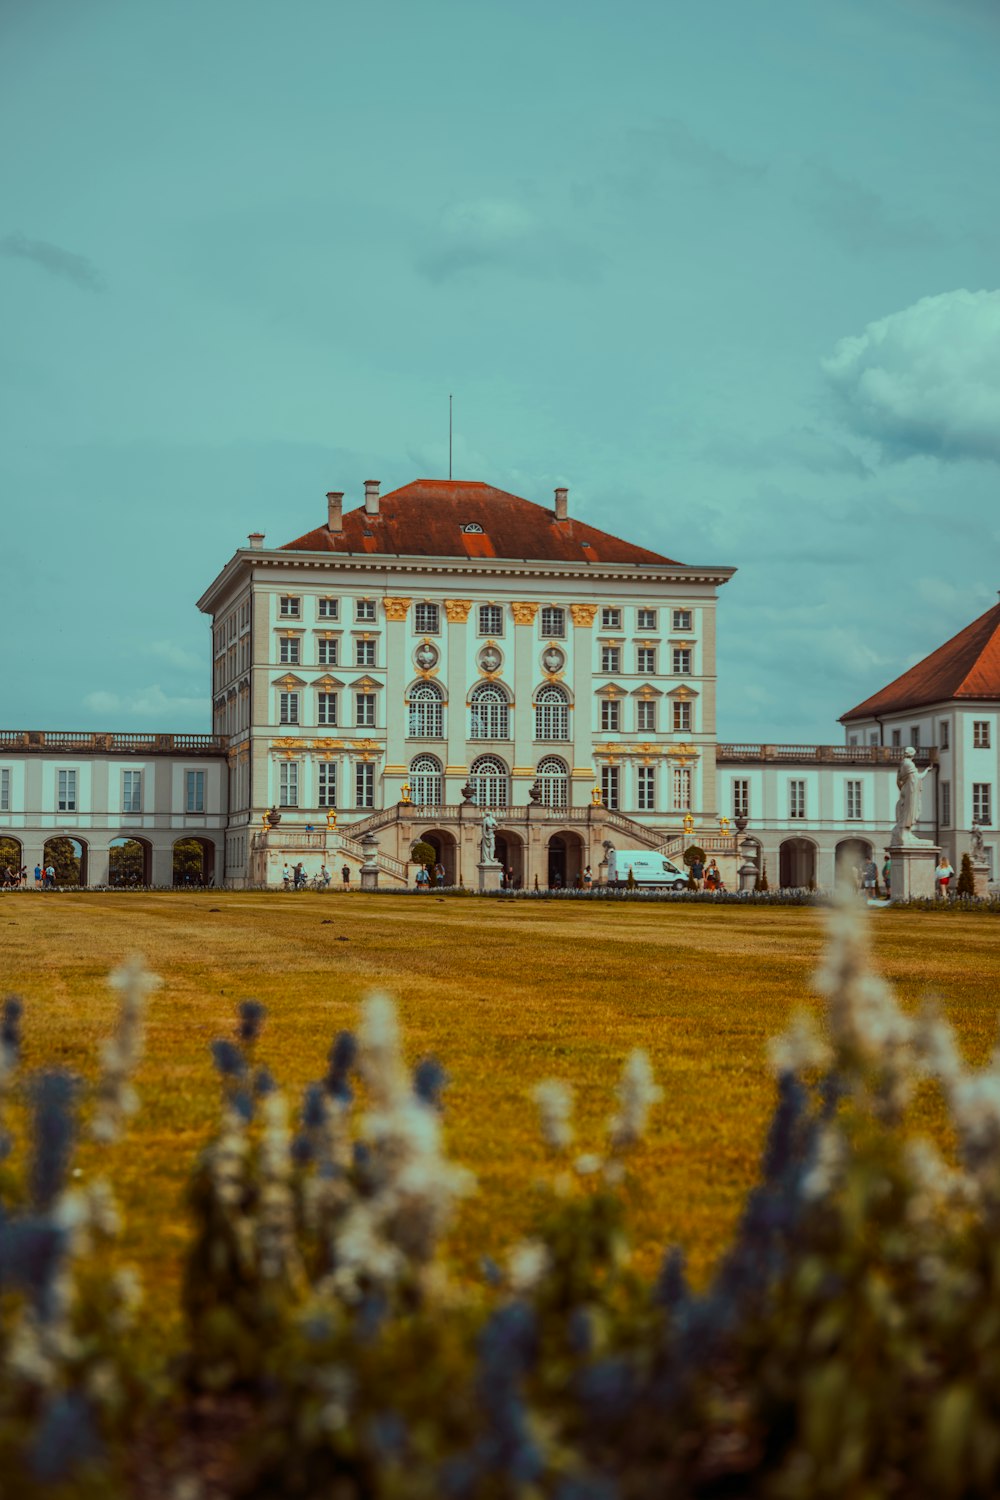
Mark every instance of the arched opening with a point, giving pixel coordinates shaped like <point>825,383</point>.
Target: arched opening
<point>489,780</point>
<point>490,713</point>
<point>553,778</point>
<point>426,712</point>
<point>551,713</point>
<point>426,781</point>
<point>68,858</point>
<point>446,851</point>
<point>849,860</point>
<point>194,862</point>
<point>797,864</point>
<point>510,853</point>
<point>565,860</point>
<point>130,862</point>
<point>11,860</point>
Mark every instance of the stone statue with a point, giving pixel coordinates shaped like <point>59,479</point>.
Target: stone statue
<point>909,780</point>
<point>978,847</point>
<point>487,842</point>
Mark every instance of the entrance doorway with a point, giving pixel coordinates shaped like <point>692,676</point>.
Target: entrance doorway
<point>565,860</point>
<point>510,853</point>
<point>445,852</point>
<point>129,862</point>
<point>797,865</point>
<point>68,857</point>
<point>194,862</point>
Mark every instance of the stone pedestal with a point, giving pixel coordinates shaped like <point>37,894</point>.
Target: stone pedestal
<point>369,870</point>
<point>490,871</point>
<point>369,878</point>
<point>981,878</point>
<point>748,875</point>
<point>913,871</point>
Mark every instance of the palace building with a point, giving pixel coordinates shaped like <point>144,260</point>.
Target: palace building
<point>448,647</point>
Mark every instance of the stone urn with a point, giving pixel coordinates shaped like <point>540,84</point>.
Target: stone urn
<point>273,818</point>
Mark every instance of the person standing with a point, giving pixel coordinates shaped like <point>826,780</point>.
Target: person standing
<point>887,874</point>
<point>50,877</point>
<point>697,874</point>
<point>423,879</point>
<point>588,879</point>
<point>713,880</point>
<point>286,876</point>
<point>439,874</point>
<point>869,879</point>
<point>324,875</point>
<point>942,877</point>
<point>38,877</point>
<point>345,875</point>
<point>299,877</point>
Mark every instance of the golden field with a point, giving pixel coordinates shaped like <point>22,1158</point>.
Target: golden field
<point>505,994</point>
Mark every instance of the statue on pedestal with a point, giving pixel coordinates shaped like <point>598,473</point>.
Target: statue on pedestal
<point>978,847</point>
<point>487,840</point>
<point>909,781</point>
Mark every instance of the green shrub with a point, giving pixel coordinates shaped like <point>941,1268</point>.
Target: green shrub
<point>966,885</point>
<point>423,854</point>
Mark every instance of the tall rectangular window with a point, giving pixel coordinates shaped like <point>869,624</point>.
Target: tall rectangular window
<point>364,783</point>
<point>364,609</point>
<point>646,619</point>
<point>915,736</point>
<point>611,714</point>
<point>611,619</point>
<point>796,799</point>
<point>5,789</point>
<point>946,804</point>
<point>426,619</point>
<point>853,793</point>
<point>897,739</point>
<point>327,783</point>
<point>288,708</point>
<point>982,802</point>
<point>328,609</point>
<point>682,619</point>
<point>646,788</point>
<point>326,651</point>
<point>364,653</point>
<point>365,715</point>
<point>553,621</point>
<point>611,659</point>
<point>194,791</point>
<point>288,607</point>
<point>609,786</point>
<point>131,791</point>
<point>741,797</point>
<point>491,619</point>
<point>980,734</point>
<point>646,715</point>
<point>288,783</point>
<point>682,714</point>
<point>67,791</point>
<point>682,660</point>
<point>288,650</point>
<point>645,660</point>
<point>682,788</point>
<point>944,734</point>
<point>326,709</point>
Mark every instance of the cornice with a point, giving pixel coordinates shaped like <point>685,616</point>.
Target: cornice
<point>466,567</point>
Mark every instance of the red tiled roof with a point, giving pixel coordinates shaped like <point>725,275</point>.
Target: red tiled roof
<point>967,666</point>
<point>425,519</point>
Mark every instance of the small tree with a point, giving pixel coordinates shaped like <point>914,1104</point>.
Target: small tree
<point>423,853</point>
<point>631,882</point>
<point>760,884</point>
<point>694,852</point>
<point>966,880</point>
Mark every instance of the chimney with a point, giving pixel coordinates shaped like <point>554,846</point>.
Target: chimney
<point>371,497</point>
<point>561,504</point>
<point>334,510</point>
<point>256,540</point>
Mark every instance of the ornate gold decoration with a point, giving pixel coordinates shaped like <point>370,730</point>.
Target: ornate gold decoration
<point>524,614</point>
<point>457,610</point>
<point>331,818</point>
<point>595,797</point>
<point>287,742</point>
<point>724,826</point>
<point>396,609</point>
<point>404,792</point>
<point>688,824</point>
<point>583,614</point>
<point>288,682</point>
<point>328,744</point>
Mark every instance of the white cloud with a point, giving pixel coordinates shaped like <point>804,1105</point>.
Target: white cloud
<point>501,234</point>
<point>177,656</point>
<point>927,379</point>
<point>147,703</point>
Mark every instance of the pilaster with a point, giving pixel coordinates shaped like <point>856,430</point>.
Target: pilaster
<point>457,614</point>
<point>582,712</point>
<point>524,678</point>
<point>397,675</point>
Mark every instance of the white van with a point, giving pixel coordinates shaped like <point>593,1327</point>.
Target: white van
<point>648,868</point>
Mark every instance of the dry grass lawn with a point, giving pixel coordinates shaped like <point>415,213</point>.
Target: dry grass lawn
<point>504,994</point>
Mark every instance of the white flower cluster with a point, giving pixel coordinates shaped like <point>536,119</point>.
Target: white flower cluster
<point>122,1052</point>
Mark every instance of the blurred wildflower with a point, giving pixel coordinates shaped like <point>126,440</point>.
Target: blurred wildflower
<point>53,1097</point>
<point>801,1048</point>
<point>637,1093</point>
<point>527,1264</point>
<point>121,1053</point>
<point>555,1107</point>
<point>429,1081</point>
<point>252,1015</point>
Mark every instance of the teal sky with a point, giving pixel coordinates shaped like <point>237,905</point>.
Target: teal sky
<point>728,270</point>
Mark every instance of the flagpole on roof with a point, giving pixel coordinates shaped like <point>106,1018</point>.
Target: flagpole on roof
<point>449,437</point>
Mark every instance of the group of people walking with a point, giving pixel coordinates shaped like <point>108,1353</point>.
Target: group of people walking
<point>15,878</point>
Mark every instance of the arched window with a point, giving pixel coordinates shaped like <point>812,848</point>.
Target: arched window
<point>425,781</point>
<point>551,714</point>
<point>426,712</point>
<point>490,713</point>
<point>553,778</point>
<point>489,781</point>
